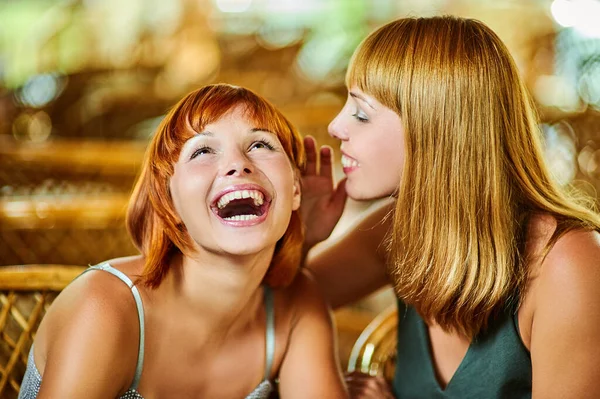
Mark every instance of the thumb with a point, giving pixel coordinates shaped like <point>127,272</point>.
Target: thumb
<point>340,195</point>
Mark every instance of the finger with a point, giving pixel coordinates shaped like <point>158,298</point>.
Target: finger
<point>310,146</point>
<point>363,392</point>
<point>326,162</point>
<point>339,196</point>
<point>357,393</point>
<point>357,378</point>
<point>356,374</point>
<point>366,383</point>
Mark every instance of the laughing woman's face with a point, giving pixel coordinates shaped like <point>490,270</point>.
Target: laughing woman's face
<point>234,187</point>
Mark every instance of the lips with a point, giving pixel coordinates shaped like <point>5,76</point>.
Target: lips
<point>349,163</point>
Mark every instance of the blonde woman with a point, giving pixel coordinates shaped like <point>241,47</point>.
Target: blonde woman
<point>496,268</point>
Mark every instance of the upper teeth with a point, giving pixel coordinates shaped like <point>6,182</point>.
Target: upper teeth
<point>256,195</point>
<point>348,162</point>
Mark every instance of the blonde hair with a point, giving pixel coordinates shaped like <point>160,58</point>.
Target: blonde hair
<point>473,171</point>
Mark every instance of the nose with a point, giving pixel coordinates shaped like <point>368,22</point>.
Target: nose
<point>337,130</point>
<point>238,164</point>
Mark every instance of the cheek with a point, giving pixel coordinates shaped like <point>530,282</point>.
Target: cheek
<point>392,156</point>
<point>386,157</point>
<point>284,181</point>
<point>174,193</point>
<point>187,189</point>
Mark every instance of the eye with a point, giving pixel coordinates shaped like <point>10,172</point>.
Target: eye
<point>202,151</point>
<point>261,144</point>
<point>361,117</point>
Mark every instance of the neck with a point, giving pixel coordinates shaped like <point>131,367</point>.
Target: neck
<point>223,293</point>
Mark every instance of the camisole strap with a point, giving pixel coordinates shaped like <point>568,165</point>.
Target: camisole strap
<point>270,331</point>
<point>140,309</point>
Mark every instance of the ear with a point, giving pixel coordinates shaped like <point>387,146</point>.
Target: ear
<point>297,193</point>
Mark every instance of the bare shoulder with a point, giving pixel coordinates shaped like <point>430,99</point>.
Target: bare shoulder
<point>574,259</point>
<point>91,326</point>
<point>305,289</point>
<point>94,293</point>
<point>301,303</point>
<point>304,297</point>
<point>566,318</point>
<point>571,268</point>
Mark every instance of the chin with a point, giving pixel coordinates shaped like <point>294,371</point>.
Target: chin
<point>245,246</point>
<point>244,249</point>
<point>359,192</point>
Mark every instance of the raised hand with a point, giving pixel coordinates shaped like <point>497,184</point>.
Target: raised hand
<point>322,202</point>
<point>364,386</point>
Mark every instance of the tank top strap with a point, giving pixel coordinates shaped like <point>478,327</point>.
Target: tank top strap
<point>270,331</point>
<point>140,310</point>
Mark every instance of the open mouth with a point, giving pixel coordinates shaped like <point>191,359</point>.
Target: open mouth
<point>241,205</point>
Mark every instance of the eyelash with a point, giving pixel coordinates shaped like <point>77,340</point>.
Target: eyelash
<point>360,118</point>
<point>209,150</point>
<point>199,151</point>
<point>268,145</point>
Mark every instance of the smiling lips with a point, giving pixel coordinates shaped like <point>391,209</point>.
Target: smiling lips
<point>244,206</point>
<point>349,164</point>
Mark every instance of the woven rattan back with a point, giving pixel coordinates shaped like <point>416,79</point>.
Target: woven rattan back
<point>63,228</point>
<point>26,292</point>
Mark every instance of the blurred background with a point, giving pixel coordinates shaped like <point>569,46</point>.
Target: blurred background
<point>84,83</point>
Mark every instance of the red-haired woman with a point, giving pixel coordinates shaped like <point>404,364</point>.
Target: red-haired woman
<point>214,306</point>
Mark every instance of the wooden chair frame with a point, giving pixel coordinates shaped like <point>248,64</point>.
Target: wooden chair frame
<point>374,352</point>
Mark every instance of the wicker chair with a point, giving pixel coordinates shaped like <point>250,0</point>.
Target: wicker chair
<point>63,228</point>
<point>26,292</point>
<point>374,352</point>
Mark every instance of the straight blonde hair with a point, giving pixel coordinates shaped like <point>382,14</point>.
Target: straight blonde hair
<point>473,172</point>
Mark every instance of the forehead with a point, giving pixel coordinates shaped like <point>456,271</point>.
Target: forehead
<point>241,113</point>
<point>237,115</point>
<point>198,123</point>
<point>237,120</point>
<point>234,123</point>
<point>362,97</point>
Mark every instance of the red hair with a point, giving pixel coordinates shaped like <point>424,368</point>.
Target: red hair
<point>153,223</point>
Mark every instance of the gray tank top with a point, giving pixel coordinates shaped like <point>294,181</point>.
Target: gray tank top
<point>32,380</point>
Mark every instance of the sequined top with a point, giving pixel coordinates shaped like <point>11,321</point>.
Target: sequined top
<point>32,380</point>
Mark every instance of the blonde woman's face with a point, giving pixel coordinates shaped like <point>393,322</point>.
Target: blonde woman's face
<point>372,146</point>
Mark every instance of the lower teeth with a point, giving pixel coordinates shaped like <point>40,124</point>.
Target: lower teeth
<point>241,217</point>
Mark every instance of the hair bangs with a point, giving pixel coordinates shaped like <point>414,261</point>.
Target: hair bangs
<point>381,66</point>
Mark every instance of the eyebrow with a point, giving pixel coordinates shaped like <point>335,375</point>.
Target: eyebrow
<point>261,129</point>
<point>363,99</point>
<point>208,133</point>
